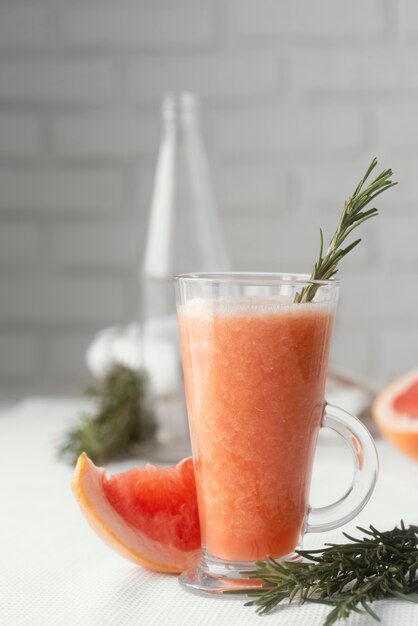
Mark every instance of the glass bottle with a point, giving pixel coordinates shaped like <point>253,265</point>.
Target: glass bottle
<point>184,235</point>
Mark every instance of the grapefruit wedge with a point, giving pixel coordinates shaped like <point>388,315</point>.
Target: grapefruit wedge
<point>148,515</point>
<point>395,411</point>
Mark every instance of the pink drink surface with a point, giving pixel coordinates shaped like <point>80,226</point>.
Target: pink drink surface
<point>255,378</point>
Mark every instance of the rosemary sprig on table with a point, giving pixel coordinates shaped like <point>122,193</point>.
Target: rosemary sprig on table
<point>352,216</point>
<point>347,577</point>
<point>123,418</point>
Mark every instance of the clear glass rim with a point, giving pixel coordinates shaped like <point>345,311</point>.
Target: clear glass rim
<point>259,278</point>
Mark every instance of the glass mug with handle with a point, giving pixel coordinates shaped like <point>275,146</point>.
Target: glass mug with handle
<point>255,365</point>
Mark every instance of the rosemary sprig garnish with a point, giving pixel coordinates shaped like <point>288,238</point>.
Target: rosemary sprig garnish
<point>123,418</point>
<point>352,216</point>
<point>347,577</point>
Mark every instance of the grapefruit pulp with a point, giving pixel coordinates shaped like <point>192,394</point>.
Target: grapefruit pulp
<point>395,411</point>
<point>148,515</point>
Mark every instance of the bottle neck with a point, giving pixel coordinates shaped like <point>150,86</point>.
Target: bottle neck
<point>182,112</point>
<point>184,232</point>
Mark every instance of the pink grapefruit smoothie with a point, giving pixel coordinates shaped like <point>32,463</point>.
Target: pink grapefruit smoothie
<point>255,376</point>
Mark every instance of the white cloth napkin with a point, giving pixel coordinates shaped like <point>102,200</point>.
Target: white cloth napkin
<point>55,572</point>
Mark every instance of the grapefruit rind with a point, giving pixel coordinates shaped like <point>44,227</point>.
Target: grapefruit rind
<point>401,430</point>
<point>129,542</point>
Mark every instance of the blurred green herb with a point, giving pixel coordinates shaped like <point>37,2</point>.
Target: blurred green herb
<point>347,577</point>
<point>123,418</point>
<point>352,216</point>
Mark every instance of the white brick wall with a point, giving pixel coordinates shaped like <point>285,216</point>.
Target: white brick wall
<point>324,19</point>
<point>397,128</point>
<point>113,245</point>
<point>160,25</point>
<point>65,351</point>
<point>408,18</point>
<point>285,130</point>
<point>253,188</point>
<point>22,349</point>
<point>56,81</point>
<point>241,75</point>
<point>398,345</point>
<point>403,229</point>
<point>297,99</point>
<point>104,135</point>
<point>41,301</point>
<point>384,70</point>
<point>54,190</point>
<point>20,135</point>
<point>21,244</point>
<point>23,26</point>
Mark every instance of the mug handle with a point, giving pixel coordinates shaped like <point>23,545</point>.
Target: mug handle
<point>366,466</point>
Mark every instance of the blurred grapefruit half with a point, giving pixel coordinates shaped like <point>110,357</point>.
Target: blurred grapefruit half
<point>395,411</point>
<point>148,515</point>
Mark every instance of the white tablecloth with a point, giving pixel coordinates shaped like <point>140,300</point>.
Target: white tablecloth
<point>55,571</point>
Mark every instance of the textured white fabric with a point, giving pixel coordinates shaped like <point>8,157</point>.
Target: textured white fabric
<point>55,572</point>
